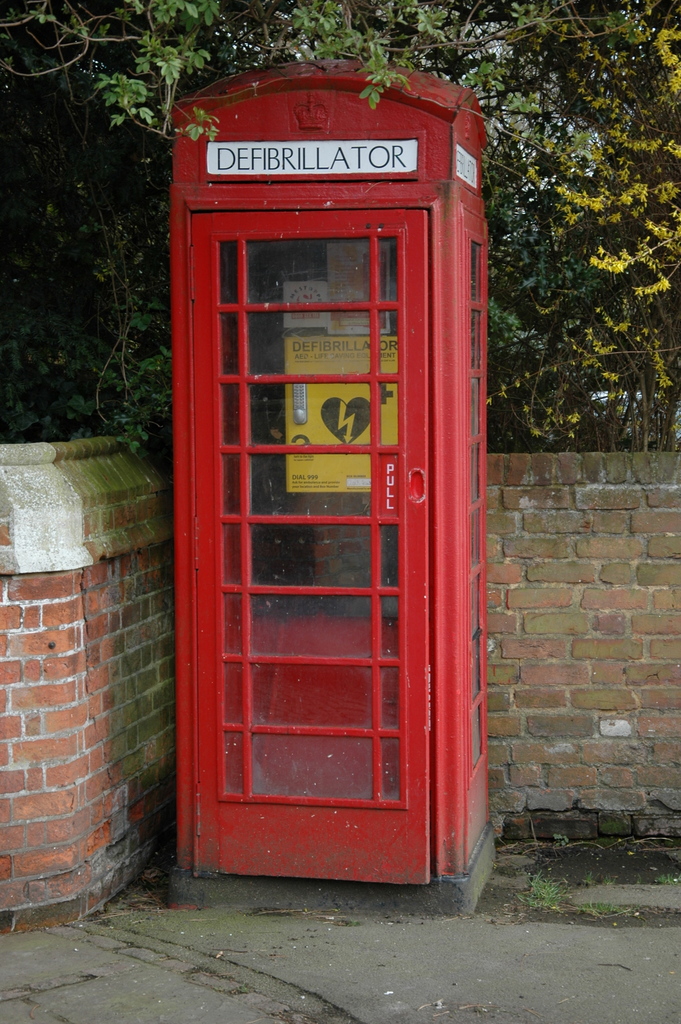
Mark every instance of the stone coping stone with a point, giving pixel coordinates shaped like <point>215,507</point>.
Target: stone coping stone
<point>658,897</point>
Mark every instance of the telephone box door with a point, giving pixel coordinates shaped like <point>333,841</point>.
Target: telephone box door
<point>311,395</point>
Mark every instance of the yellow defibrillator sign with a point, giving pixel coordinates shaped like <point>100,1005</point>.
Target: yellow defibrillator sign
<point>333,414</point>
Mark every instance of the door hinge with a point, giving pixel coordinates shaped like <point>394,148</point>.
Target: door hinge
<point>196,542</point>
<point>429,684</point>
<point>192,276</point>
<point>198,811</point>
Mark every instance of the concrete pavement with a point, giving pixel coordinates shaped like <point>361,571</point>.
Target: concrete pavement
<point>216,966</point>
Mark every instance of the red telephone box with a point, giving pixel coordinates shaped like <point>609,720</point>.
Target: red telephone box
<point>329,321</point>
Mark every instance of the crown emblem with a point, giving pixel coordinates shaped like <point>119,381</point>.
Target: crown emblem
<point>312,117</point>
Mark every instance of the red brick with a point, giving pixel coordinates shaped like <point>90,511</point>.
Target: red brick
<point>609,547</point>
<point>10,727</point>
<point>504,573</point>
<point>611,522</point>
<point>59,668</point>
<point>46,862</point>
<point>540,697</point>
<point>529,498</point>
<point>574,775</point>
<point>63,612</point>
<point>607,497</point>
<point>670,725</point>
<point>532,647</point>
<point>99,838</point>
<point>656,624</point>
<point>552,674</point>
<point>10,672</point>
<point>661,697</point>
<point>501,675</point>
<point>536,547</point>
<point>612,624</point>
<point>606,649</point>
<point>498,700</point>
<point>32,617</point>
<point>52,695</point>
<point>38,751</point>
<point>495,469</point>
<point>501,523</point>
<point>664,547</point>
<point>665,649</point>
<point>658,775</point>
<point>518,469</point>
<point>66,774</point>
<point>614,599</point>
<point>603,700</point>
<point>496,779</point>
<point>561,572</point>
<point>666,751</point>
<point>13,836</point>
<point>69,718</point>
<point>556,522</point>
<point>5,868</point>
<point>556,752</point>
<point>616,572</point>
<point>3,701</point>
<point>45,642</point>
<point>494,597</point>
<point>539,597</point>
<point>608,672</point>
<point>32,670</point>
<point>498,622</point>
<point>5,539</point>
<point>10,617</point>
<point>667,600</point>
<point>656,522</point>
<point>12,782</point>
<point>72,826</point>
<point>525,775</point>
<point>44,587</point>
<point>664,497</point>
<point>568,623</point>
<point>616,777</point>
<point>559,725</point>
<point>43,805</point>
<point>503,725</point>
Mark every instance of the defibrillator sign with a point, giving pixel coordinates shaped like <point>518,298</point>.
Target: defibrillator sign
<point>334,413</point>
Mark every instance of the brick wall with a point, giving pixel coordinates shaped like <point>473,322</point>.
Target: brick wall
<point>86,691</point>
<point>584,585</point>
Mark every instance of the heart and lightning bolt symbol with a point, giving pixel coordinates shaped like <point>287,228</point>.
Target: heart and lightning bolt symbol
<point>346,420</point>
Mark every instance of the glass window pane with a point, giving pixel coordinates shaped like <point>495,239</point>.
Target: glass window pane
<point>390,765</point>
<point>311,556</point>
<point>228,272</point>
<point>231,553</point>
<point>323,766</point>
<point>315,626</point>
<point>475,472</point>
<point>324,485</point>
<point>229,342</point>
<point>475,406</point>
<point>475,605</point>
<point>477,735</point>
<point>234,763</point>
<point>476,249</point>
<point>232,630</point>
<point>390,637</point>
<point>304,270</point>
<point>475,683</point>
<point>476,351</point>
<point>307,342</point>
<point>389,407</point>
<point>232,706</point>
<point>389,346</point>
<point>323,695</point>
<point>267,405</point>
<point>230,413</point>
<point>387,249</point>
<point>389,555</point>
<point>231,485</point>
<point>475,537</point>
<point>390,697</point>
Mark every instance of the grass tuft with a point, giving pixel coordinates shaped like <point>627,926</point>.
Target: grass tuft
<point>545,893</point>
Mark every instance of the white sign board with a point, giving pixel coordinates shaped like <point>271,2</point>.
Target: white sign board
<point>381,157</point>
<point>466,166</point>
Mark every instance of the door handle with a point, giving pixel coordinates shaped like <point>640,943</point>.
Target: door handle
<point>416,487</point>
<point>300,403</point>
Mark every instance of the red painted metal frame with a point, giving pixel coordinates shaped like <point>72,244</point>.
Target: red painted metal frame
<point>441,116</point>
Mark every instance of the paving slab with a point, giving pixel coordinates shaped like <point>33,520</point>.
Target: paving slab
<point>411,970</point>
<point>31,958</point>
<point>659,897</point>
